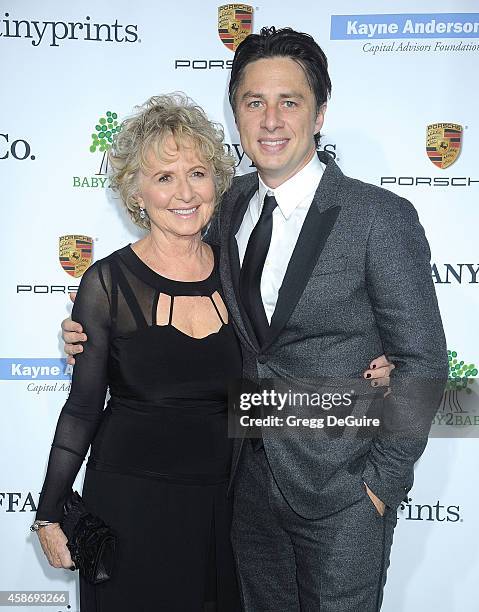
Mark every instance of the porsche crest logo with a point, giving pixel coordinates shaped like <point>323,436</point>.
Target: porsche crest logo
<point>443,143</point>
<point>235,22</point>
<point>75,254</point>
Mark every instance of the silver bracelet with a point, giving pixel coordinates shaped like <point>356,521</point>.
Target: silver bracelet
<point>39,524</point>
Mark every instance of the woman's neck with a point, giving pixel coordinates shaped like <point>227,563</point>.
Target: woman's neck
<point>182,258</point>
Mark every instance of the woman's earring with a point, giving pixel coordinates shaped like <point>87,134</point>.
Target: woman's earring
<point>142,213</point>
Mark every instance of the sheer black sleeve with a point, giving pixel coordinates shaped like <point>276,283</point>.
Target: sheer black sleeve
<point>83,410</point>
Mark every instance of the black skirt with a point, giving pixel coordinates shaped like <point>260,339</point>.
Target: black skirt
<point>174,551</point>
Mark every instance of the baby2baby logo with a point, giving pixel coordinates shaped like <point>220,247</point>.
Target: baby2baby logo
<point>459,406</point>
<point>100,142</point>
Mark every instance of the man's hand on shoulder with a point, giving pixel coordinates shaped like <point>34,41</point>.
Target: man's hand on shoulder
<point>72,334</point>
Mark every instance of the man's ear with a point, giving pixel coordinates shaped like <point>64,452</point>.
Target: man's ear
<point>318,124</point>
<point>235,117</point>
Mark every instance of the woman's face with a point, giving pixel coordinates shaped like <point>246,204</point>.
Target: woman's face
<point>177,191</point>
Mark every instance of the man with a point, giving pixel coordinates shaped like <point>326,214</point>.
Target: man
<point>320,272</point>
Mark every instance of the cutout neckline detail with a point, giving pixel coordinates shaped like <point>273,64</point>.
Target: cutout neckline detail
<point>212,326</point>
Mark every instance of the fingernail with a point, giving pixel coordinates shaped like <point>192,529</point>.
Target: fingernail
<point>368,375</point>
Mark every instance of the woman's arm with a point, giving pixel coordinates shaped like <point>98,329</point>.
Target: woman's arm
<point>82,412</point>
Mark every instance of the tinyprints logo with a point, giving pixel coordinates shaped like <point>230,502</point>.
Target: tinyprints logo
<point>53,33</point>
<point>240,156</point>
<point>408,26</point>
<point>438,513</point>
<point>101,140</point>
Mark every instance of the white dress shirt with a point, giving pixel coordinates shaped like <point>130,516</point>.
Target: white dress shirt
<point>294,198</point>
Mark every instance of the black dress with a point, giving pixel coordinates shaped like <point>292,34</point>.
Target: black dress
<point>160,454</point>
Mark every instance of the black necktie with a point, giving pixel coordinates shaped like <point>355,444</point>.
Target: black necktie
<point>252,269</point>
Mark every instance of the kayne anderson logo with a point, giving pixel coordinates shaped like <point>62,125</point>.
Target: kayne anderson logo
<point>443,145</point>
<point>408,26</point>
<point>235,23</point>
<point>101,140</point>
<point>53,33</point>
<point>42,375</point>
<point>34,369</point>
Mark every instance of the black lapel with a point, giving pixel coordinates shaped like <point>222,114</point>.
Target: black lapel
<point>230,267</point>
<point>316,229</point>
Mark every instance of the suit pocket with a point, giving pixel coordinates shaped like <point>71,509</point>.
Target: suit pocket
<point>373,506</point>
<point>330,266</point>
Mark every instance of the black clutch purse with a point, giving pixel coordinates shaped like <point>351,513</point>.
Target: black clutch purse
<point>91,542</point>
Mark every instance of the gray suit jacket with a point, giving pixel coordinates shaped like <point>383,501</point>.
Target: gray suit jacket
<point>358,285</point>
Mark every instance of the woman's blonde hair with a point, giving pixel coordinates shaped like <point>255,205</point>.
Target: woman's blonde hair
<point>159,117</point>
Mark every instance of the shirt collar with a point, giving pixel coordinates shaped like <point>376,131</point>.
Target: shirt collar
<point>293,191</point>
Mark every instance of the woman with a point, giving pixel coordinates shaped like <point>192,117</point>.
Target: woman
<point>161,342</point>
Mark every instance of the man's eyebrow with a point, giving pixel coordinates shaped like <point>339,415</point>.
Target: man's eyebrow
<point>293,94</point>
<point>251,94</point>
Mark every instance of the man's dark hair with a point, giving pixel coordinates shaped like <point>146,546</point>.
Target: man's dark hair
<point>286,42</point>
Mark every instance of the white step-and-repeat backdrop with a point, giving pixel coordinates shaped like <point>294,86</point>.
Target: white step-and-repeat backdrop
<point>403,114</point>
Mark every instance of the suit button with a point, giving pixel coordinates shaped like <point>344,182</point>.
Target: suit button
<point>262,358</point>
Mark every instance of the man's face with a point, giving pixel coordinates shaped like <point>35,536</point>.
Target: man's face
<point>277,118</point>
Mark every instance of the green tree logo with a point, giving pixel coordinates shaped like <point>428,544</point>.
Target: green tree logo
<point>461,376</point>
<point>103,137</point>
